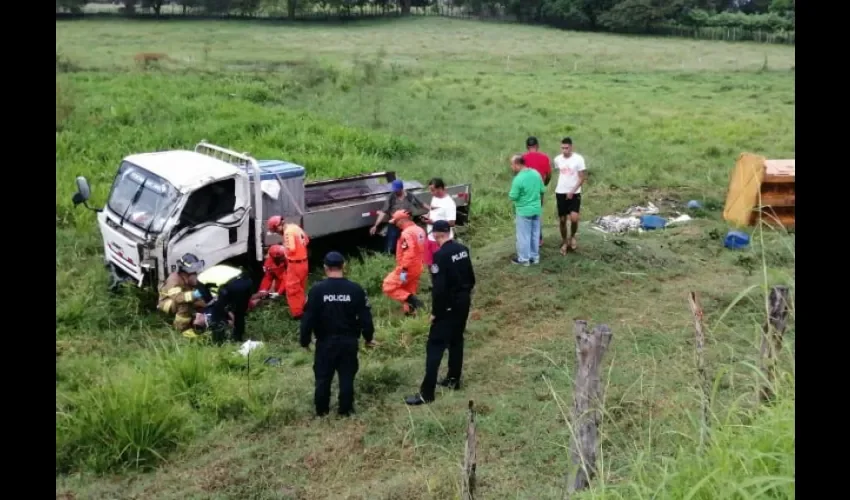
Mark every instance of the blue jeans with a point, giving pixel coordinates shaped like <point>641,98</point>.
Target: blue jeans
<point>392,238</point>
<point>528,238</point>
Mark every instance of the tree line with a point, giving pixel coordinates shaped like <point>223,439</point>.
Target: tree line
<point>760,20</point>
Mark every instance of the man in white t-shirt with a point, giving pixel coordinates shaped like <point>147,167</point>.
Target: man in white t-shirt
<point>442,207</point>
<point>572,173</point>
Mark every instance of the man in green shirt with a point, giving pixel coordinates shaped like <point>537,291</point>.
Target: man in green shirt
<point>526,192</point>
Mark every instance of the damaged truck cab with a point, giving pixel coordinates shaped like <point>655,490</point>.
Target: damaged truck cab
<point>214,203</point>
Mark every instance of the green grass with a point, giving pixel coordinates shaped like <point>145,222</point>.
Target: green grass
<point>142,414</point>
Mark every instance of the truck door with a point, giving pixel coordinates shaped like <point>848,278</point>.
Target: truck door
<point>213,225</point>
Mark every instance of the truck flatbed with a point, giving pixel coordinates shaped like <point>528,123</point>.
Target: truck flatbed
<point>332,195</point>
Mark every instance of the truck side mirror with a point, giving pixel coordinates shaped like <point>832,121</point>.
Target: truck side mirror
<point>83,193</point>
<point>83,190</point>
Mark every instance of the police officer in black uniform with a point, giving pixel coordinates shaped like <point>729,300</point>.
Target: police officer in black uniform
<point>452,280</point>
<point>338,312</point>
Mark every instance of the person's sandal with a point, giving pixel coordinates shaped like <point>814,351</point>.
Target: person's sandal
<point>573,244</point>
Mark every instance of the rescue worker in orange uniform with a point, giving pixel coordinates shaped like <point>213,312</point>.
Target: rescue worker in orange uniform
<point>274,276</point>
<point>180,296</point>
<point>401,284</point>
<point>295,242</point>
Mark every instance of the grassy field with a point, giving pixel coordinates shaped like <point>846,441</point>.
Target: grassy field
<point>142,414</point>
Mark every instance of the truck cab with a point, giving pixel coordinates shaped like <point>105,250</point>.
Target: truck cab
<point>163,205</point>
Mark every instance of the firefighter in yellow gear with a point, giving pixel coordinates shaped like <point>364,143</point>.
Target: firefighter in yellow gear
<point>180,296</point>
<point>228,291</point>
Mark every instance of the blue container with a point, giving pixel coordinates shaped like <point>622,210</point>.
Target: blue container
<point>649,222</point>
<point>736,240</point>
<point>274,169</point>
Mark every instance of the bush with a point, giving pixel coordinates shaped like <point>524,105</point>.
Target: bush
<point>189,372</point>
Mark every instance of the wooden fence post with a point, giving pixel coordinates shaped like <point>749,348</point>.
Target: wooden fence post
<point>587,399</point>
<point>696,311</point>
<point>771,340</point>
<point>469,457</point>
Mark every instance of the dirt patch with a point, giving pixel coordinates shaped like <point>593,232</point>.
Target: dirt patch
<point>336,449</point>
<point>217,476</point>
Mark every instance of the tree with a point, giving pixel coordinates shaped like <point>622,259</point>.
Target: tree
<point>754,6</point>
<point>156,5</point>
<point>634,15</point>
<point>188,4</point>
<point>72,6</point>
<point>785,8</point>
<point>217,6</point>
<point>246,7</point>
<point>129,6</point>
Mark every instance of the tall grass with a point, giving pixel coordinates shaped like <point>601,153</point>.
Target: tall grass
<point>745,450</point>
<point>64,104</point>
<point>127,421</point>
<point>135,418</point>
<point>750,455</point>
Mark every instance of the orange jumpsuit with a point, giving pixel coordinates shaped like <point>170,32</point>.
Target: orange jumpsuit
<point>295,242</point>
<point>422,237</point>
<point>409,255</point>
<point>274,276</point>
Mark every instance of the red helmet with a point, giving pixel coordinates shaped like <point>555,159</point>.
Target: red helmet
<point>277,252</point>
<point>274,222</point>
<point>399,215</point>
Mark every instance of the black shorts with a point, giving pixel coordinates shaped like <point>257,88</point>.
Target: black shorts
<point>565,206</point>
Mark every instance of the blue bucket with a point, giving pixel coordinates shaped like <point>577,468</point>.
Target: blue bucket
<point>649,222</point>
<point>736,240</point>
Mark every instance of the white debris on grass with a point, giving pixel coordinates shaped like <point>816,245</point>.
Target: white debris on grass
<point>637,210</point>
<point>630,220</point>
<point>616,224</point>
<point>681,218</point>
<point>249,346</point>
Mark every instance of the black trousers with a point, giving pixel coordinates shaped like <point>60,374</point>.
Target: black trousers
<point>335,354</point>
<point>232,297</point>
<point>445,333</point>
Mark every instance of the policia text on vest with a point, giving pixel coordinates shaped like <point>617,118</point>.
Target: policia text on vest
<point>338,313</point>
<point>451,298</point>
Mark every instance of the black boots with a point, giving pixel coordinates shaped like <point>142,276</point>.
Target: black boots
<point>414,303</point>
<point>450,383</point>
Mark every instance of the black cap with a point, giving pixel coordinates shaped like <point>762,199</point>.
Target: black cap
<point>334,259</point>
<point>531,141</point>
<point>441,226</point>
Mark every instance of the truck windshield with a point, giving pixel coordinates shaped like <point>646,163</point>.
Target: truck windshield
<point>142,198</point>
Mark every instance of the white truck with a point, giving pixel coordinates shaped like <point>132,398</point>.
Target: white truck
<point>215,202</point>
